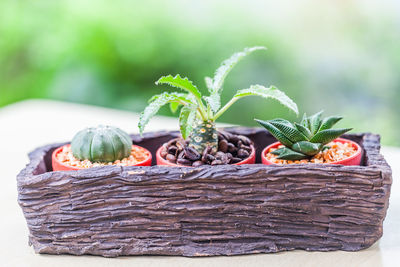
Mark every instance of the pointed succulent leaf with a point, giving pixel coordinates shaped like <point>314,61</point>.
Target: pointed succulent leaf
<point>278,151</point>
<point>283,121</point>
<point>227,65</point>
<point>326,136</point>
<point>156,103</point>
<point>271,92</point>
<point>289,154</point>
<point>276,133</point>
<point>289,131</point>
<point>187,118</point>
<point>328,122</point>
<point>303,130</point>
<point>181,83</point>
<point>315,122</point>
<point>173,106</point>
<point>307,148</point>
<point>304,121</point>
<point>325,148</point>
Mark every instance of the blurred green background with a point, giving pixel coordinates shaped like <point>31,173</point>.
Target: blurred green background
<point>340,56</point>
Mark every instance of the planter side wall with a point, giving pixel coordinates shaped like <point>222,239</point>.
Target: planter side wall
<point>224,210</point>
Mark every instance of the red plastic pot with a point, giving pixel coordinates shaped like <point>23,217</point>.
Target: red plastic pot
<point>59,166</point>
<point>354,159</point>
<point>161,161</point>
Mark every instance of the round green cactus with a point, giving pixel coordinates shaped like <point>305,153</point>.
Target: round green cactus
<point>101,144</point>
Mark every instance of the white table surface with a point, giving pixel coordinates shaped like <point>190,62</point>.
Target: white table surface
<point>29,124</point>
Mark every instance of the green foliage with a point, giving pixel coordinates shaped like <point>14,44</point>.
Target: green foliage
<point>194,109</point>
<point>271,92</point>
<point>215,85</point>
<point>187,118</point>
<point>105,55</point>
<point>157,101</point>
<point>101,144</point>
<point>181,83</point>
<point>303,140</point>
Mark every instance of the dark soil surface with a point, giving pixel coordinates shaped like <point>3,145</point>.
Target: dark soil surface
<point>231,149</point>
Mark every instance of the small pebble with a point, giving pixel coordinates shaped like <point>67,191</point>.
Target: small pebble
<point>234,139</point>
<point>223,146</point>
<point>216,162</point>
<point>184,162</point>
<point>197,163</point>
<point>170,158</point>
<point>232,148</point>
<point>192,154</point>
<point>236,160</point>
<point>172,150</point>
<point>244,140</point>
<point>164,152</point>
<point>243,153</point>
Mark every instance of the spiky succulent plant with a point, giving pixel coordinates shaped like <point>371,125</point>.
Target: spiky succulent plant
<point>305,139</point>
<point>198,113</point>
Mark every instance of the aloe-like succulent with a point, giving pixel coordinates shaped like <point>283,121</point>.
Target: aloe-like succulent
<point>198,113</point>
<point>305,139</point>
<point>101,144</point>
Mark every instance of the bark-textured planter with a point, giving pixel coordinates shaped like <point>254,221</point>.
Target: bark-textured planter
<point>207,210</point>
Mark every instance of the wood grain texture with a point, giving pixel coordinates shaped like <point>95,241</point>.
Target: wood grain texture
<point>205,211</point>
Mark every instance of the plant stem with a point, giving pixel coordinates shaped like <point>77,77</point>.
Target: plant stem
<point>204,135</point>
<point>224,108</point>
<point>202,109</point>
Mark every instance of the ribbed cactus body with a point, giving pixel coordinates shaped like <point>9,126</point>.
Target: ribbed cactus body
<point>101,144</point>
<point>204,134</point>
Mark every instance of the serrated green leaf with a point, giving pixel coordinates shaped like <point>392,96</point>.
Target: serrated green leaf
<point>271,92</point>
<point>315,122</point>
<point>307,148</point>
<point>173,106</point>
<point>156,103</point>
<point>227,65</point>
<point>276,133</point>
<point>209,83</point>
<point>289,154</point>
<point>181,83</point>
<point>328,122</point>
<point>289,130</point>
<point>303,129</point>
<point>184,98</point>
<point>186,119</point>
<point>326,136</point>
<point>214,101</point>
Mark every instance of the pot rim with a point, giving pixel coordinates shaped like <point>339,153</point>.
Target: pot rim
<point>342,140</point>
<point>145,162</point>
<point>249,160</point>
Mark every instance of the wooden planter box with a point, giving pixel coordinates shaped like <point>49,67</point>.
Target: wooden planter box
<point>206,211</point>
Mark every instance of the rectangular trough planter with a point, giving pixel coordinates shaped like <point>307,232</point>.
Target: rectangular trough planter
<point>207,211</point>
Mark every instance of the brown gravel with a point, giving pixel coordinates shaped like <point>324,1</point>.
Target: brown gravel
<point>337,151</point>
<point>66,157</point>
<point>232,149</point>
